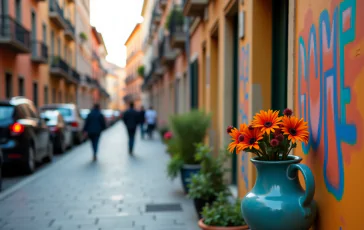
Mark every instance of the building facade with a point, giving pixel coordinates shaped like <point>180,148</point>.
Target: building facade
<point>134,62</point>
<point>115,79</point>
<point>40,51</point>
<point>244,56</point>
<point>99,71</point>
<point>84,53</point>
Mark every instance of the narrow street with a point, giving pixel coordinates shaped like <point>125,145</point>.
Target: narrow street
<point>116,192</point>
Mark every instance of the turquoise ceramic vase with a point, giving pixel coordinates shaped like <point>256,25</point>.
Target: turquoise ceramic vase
<point>277,200</point>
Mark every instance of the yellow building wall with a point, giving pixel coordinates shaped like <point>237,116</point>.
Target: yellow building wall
<point>329,88</point>
<point>254,76</point>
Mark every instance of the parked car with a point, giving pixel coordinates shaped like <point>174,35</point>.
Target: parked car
<point>71,116</point>
<point>61,132</point>
<point>117,115</point>
<point>84,113</point>
<point>24,136</point>
<point>109,116</point>
<point>1,169</point>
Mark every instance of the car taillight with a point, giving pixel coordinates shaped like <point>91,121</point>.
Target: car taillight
<point>53,129</point>
<point>17,128</point>
<point>74,124</point>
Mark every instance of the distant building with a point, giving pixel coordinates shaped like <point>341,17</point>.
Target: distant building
<point>84,53</point>
<point>134,61</point>
<point>99,72</point>
<point>114,85</point>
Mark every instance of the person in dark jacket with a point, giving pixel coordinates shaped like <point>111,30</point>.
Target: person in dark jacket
<point>94,125</point>
<point>142,121</point>
<point>131,119</point>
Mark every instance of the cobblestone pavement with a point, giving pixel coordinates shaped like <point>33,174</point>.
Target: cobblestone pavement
<point>113,193</point>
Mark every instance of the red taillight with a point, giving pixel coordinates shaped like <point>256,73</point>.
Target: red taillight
<point>17,128</point>
<point>53,129</point>
<point>74,124</point>
<point>14,156</point>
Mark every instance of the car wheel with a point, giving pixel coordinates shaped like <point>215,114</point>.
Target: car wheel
<point>30,164</point>
<point>50,150</point>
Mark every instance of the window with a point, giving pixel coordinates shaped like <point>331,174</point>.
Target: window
<point>8,85</point>
<point>44,30</point>
<point>45,94</point>
<point>35,93</point>
<point>59,47</point>
<point>21,86</point>
<point>52,42</point>
<point>54,99</point>
<point>60,97</point>
<point>18,10</point>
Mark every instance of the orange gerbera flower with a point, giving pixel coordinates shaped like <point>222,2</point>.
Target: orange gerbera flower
<point>237,138</point>
<point>296,129</point>
<point>251,138</point>
<point>267,121</point>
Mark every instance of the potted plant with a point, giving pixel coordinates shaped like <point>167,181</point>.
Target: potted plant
<point>141,71</point>
<point>83,36</point>
<point>162,130</point>
<point>271,138</point>
<point>209,182</point>
<point>222,215</point>
<point>188,129</point>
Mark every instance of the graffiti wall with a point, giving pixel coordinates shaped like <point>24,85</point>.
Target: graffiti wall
<point>329,95</point>
<point>244,57</point>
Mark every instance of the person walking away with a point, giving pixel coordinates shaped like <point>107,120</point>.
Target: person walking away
<point>131,119</point>
<point>142,121</point>
<point>151,120</point>
<point>95,124</point>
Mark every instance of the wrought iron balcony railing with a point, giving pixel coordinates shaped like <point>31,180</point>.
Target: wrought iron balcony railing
<point>14,35</point>
<point>70,30</point>
<point>56,14</point>
<point>39,52</point>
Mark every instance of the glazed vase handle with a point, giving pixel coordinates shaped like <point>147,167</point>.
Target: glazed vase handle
<point>306,199</point>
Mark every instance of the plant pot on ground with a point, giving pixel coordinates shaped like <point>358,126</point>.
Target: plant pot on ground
<point>209,182</point>
<point>188,129</point>
<point>222,214</point>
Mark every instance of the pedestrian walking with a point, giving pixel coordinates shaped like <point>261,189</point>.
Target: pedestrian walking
<point>142,121</point>
<point>131,119</point>
<point>151,120</point>
<point>94,125</point>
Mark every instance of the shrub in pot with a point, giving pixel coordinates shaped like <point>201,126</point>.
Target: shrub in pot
<point>188,129</point>
<point>222,215</point>
<point>205,185</point>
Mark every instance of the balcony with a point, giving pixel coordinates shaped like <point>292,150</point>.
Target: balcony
<point>158,70</point>
<point>56,14</point>
<point>175,27</point>
<point>156,18</point>
<point>167,54</point>
<point>195,8</point>
<point>13,35</point>
<point>163,4</point>
<point>129,79</point>
<point>39,52</point>
<point>69,32</point>
<point>59,68</point>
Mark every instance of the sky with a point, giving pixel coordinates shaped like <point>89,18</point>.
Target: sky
<point>115,19</point>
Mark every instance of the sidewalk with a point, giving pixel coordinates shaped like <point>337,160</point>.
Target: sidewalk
<point>116,192</point>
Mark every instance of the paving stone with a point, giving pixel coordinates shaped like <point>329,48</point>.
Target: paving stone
<point>109,194</point>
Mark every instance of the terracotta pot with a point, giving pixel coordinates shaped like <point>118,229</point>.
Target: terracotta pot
<point>205,227</point>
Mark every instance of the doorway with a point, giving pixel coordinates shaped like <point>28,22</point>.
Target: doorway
<point>279,54</point>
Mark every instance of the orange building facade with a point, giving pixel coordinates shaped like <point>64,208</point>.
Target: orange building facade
<point>38,43</point>
<point>134,79</point>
